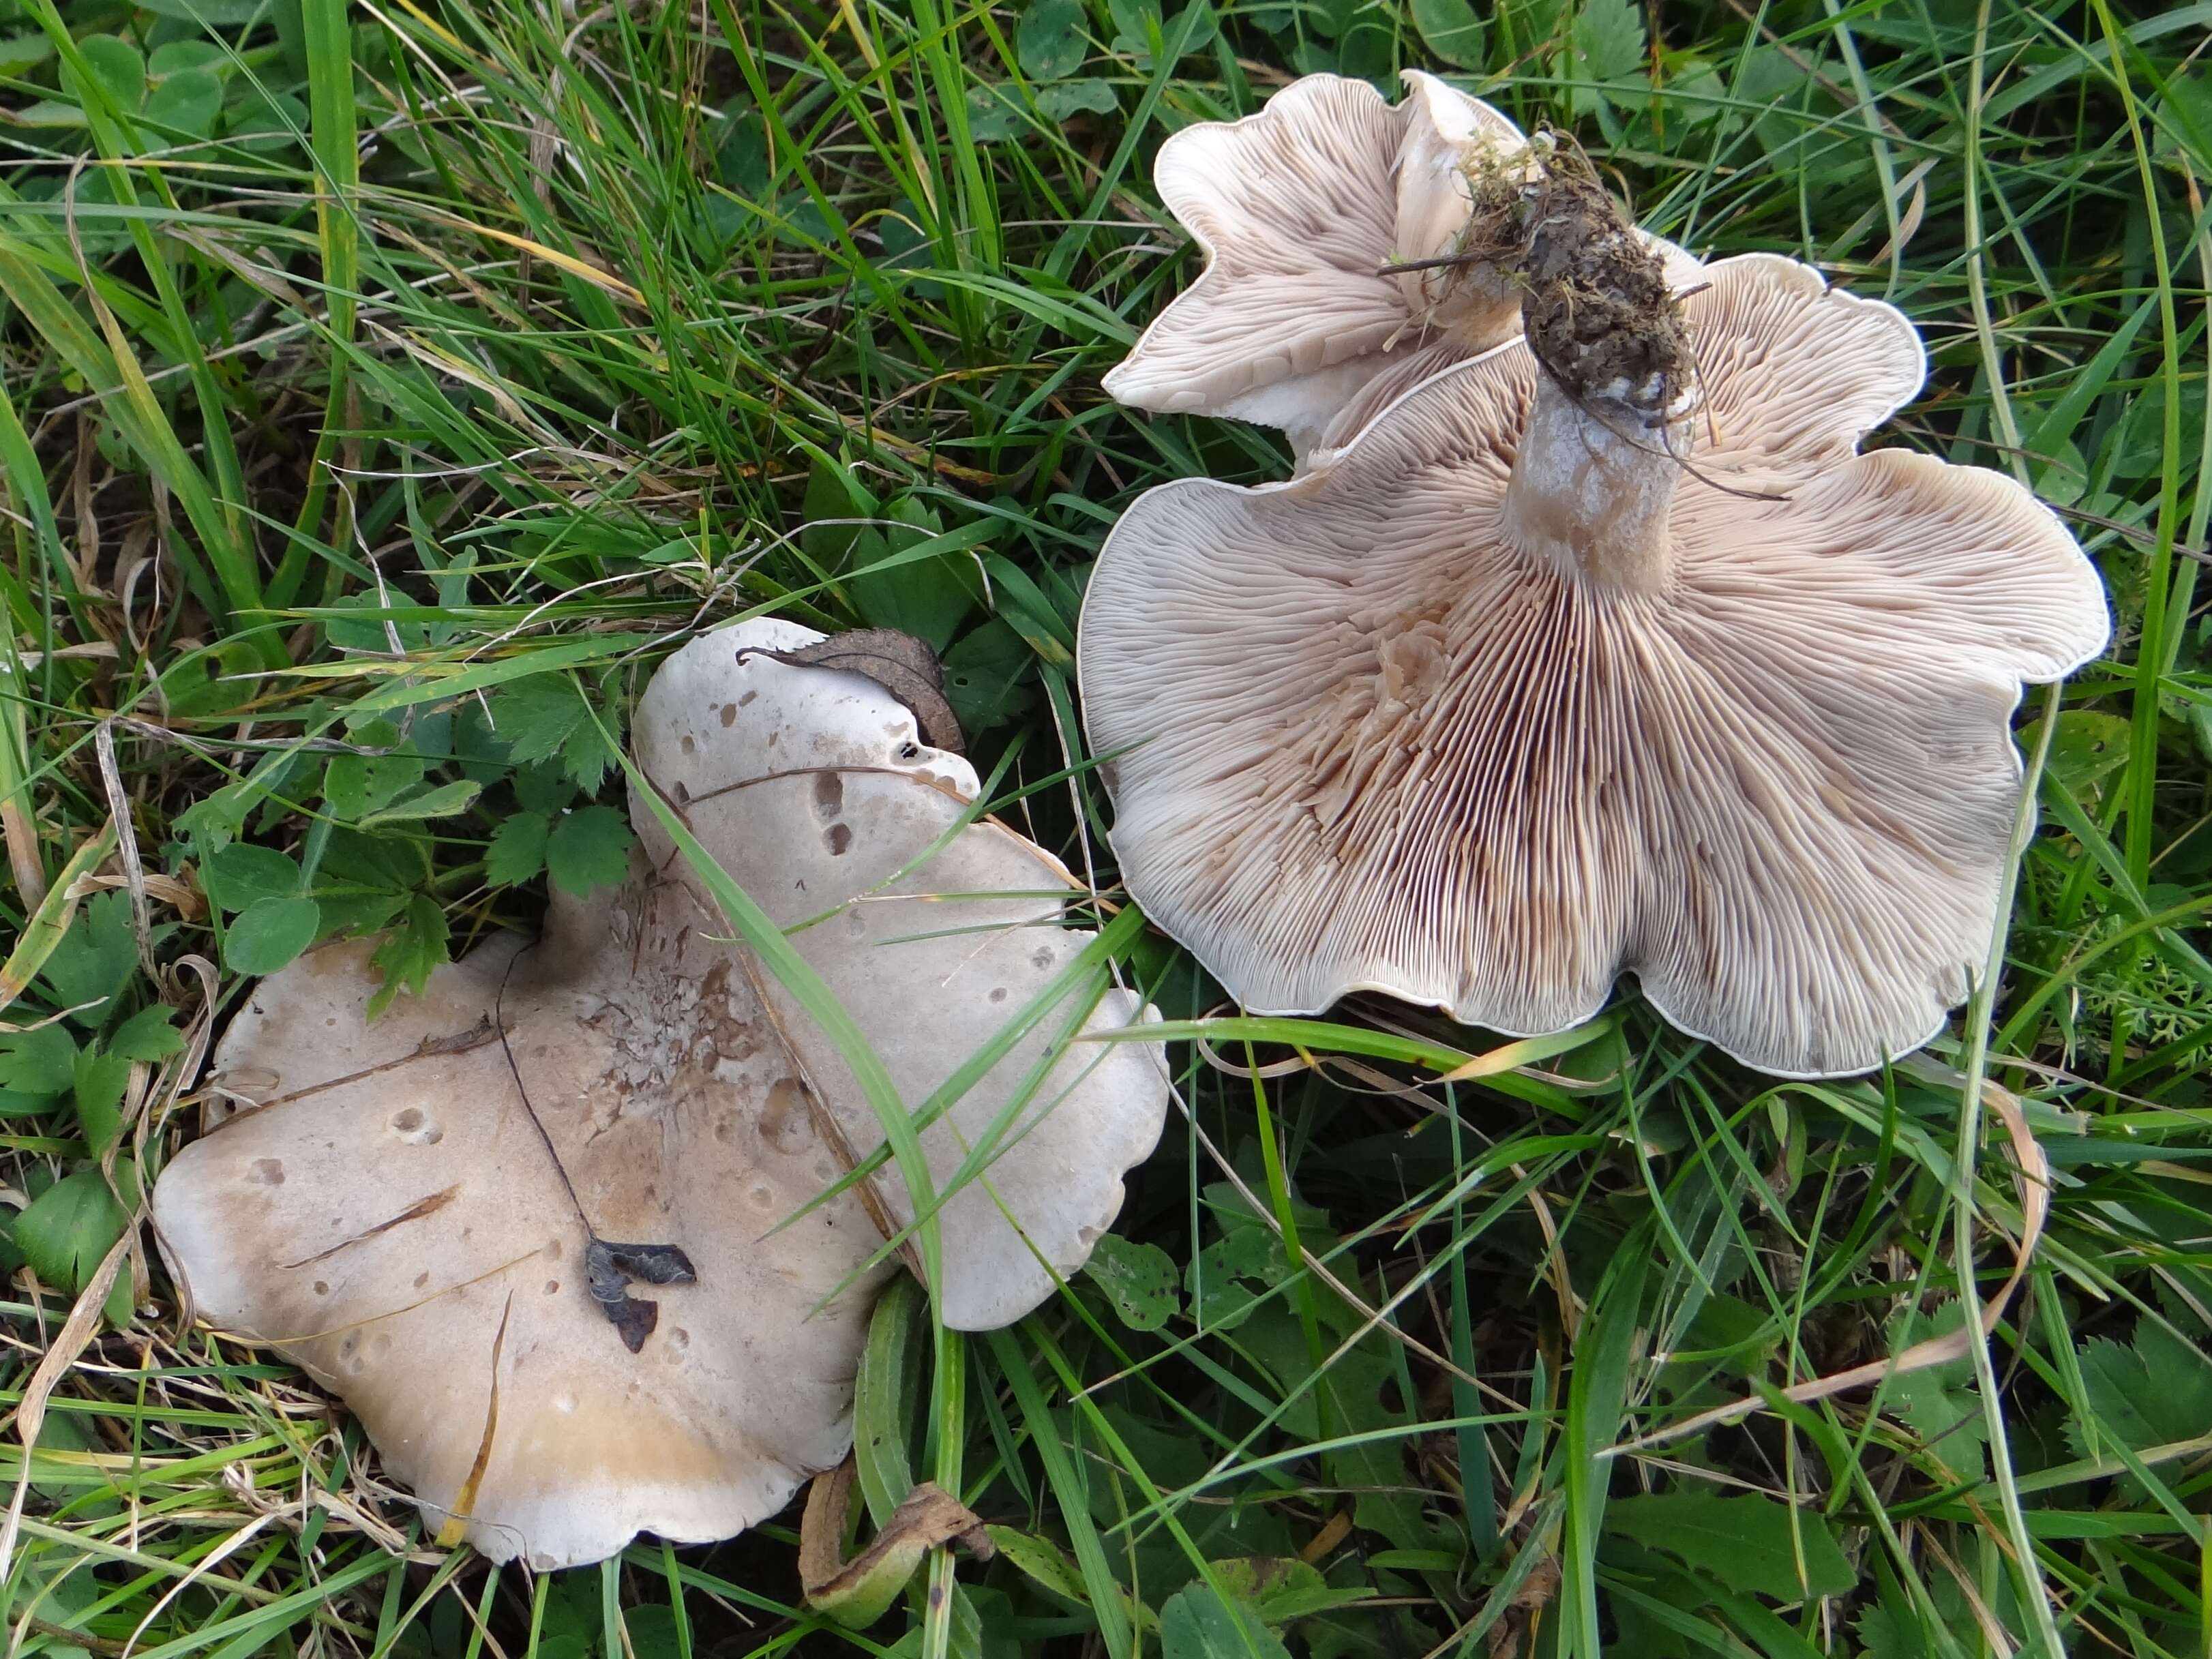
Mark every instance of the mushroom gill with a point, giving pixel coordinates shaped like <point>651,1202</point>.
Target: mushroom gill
<point>1299,208</point>
<point>1339,274</point>
<point>436,1214</point>
<point>1559,672</point>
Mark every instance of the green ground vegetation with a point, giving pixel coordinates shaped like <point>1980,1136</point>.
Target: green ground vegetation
<point>359,357</point>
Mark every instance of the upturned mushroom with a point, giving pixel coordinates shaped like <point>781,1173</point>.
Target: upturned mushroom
<point>545,1226</point>
<point>1330,221</point>
<point>1606,652</point>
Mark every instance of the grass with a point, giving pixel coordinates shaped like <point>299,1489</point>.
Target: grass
<point>357,358</point>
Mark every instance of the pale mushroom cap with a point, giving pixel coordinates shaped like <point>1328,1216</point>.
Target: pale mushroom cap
<point>390,1207</point>
<point>1372,745</point>
<point>930,975</point>
<point>1298,209</point>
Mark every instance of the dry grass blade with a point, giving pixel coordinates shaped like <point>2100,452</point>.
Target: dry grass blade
<point>50,922</point>
<point>30,1415</point>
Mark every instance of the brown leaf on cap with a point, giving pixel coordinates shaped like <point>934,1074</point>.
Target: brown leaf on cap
<point>902,665</point>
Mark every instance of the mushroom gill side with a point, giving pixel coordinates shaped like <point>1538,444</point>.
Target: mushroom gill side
<point>1371,731</point>
<point>1338,273</point>
<point>410,1210</point>
<point>1298,208</point>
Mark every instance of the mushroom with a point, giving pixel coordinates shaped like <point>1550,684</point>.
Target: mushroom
<point>435,1214</point>
<point>1605,653</point>
<point>1301,320</point>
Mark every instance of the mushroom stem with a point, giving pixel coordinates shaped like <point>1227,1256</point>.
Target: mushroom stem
<point>1609,427</point>
<point>1590,489</point>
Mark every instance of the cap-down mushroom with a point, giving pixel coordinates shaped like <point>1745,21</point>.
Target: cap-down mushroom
<point>1606,652</point>
<point>390,1218</point>
<point>1298,321</point>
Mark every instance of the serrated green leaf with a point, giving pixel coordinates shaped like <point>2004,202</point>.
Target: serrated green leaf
<point>94,959</point>
<point>1697,94</point>
<point>1138,1280</point>
<point>588,848</point>
<point>1939,1403</point>
<point>1606,45</point>
<point>270,933</point>
<point>1611,35</point>
<point>99,1081</point>
<point>39,1062</point>
<point>1747,1543</point>
<point>66,1230</point>
<point>587,756</point>
<point>410,952</point>
<point>542,788</point>
<point>517,852</point>
<point>536,717</point>
<point>1895,1628</point>
<point>148,1034</point>
<point>2154,1391</point>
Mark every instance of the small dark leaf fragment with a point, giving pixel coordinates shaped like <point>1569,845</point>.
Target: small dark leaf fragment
<point>611,1268</point>
<point>902,665</point>
<point>634,1320</point>
<point>654,1264</point>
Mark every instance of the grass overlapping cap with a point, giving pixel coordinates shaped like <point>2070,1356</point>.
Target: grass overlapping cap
<point>537,1224</point>
<point>1604,653</point>
<point>1332,223</point>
